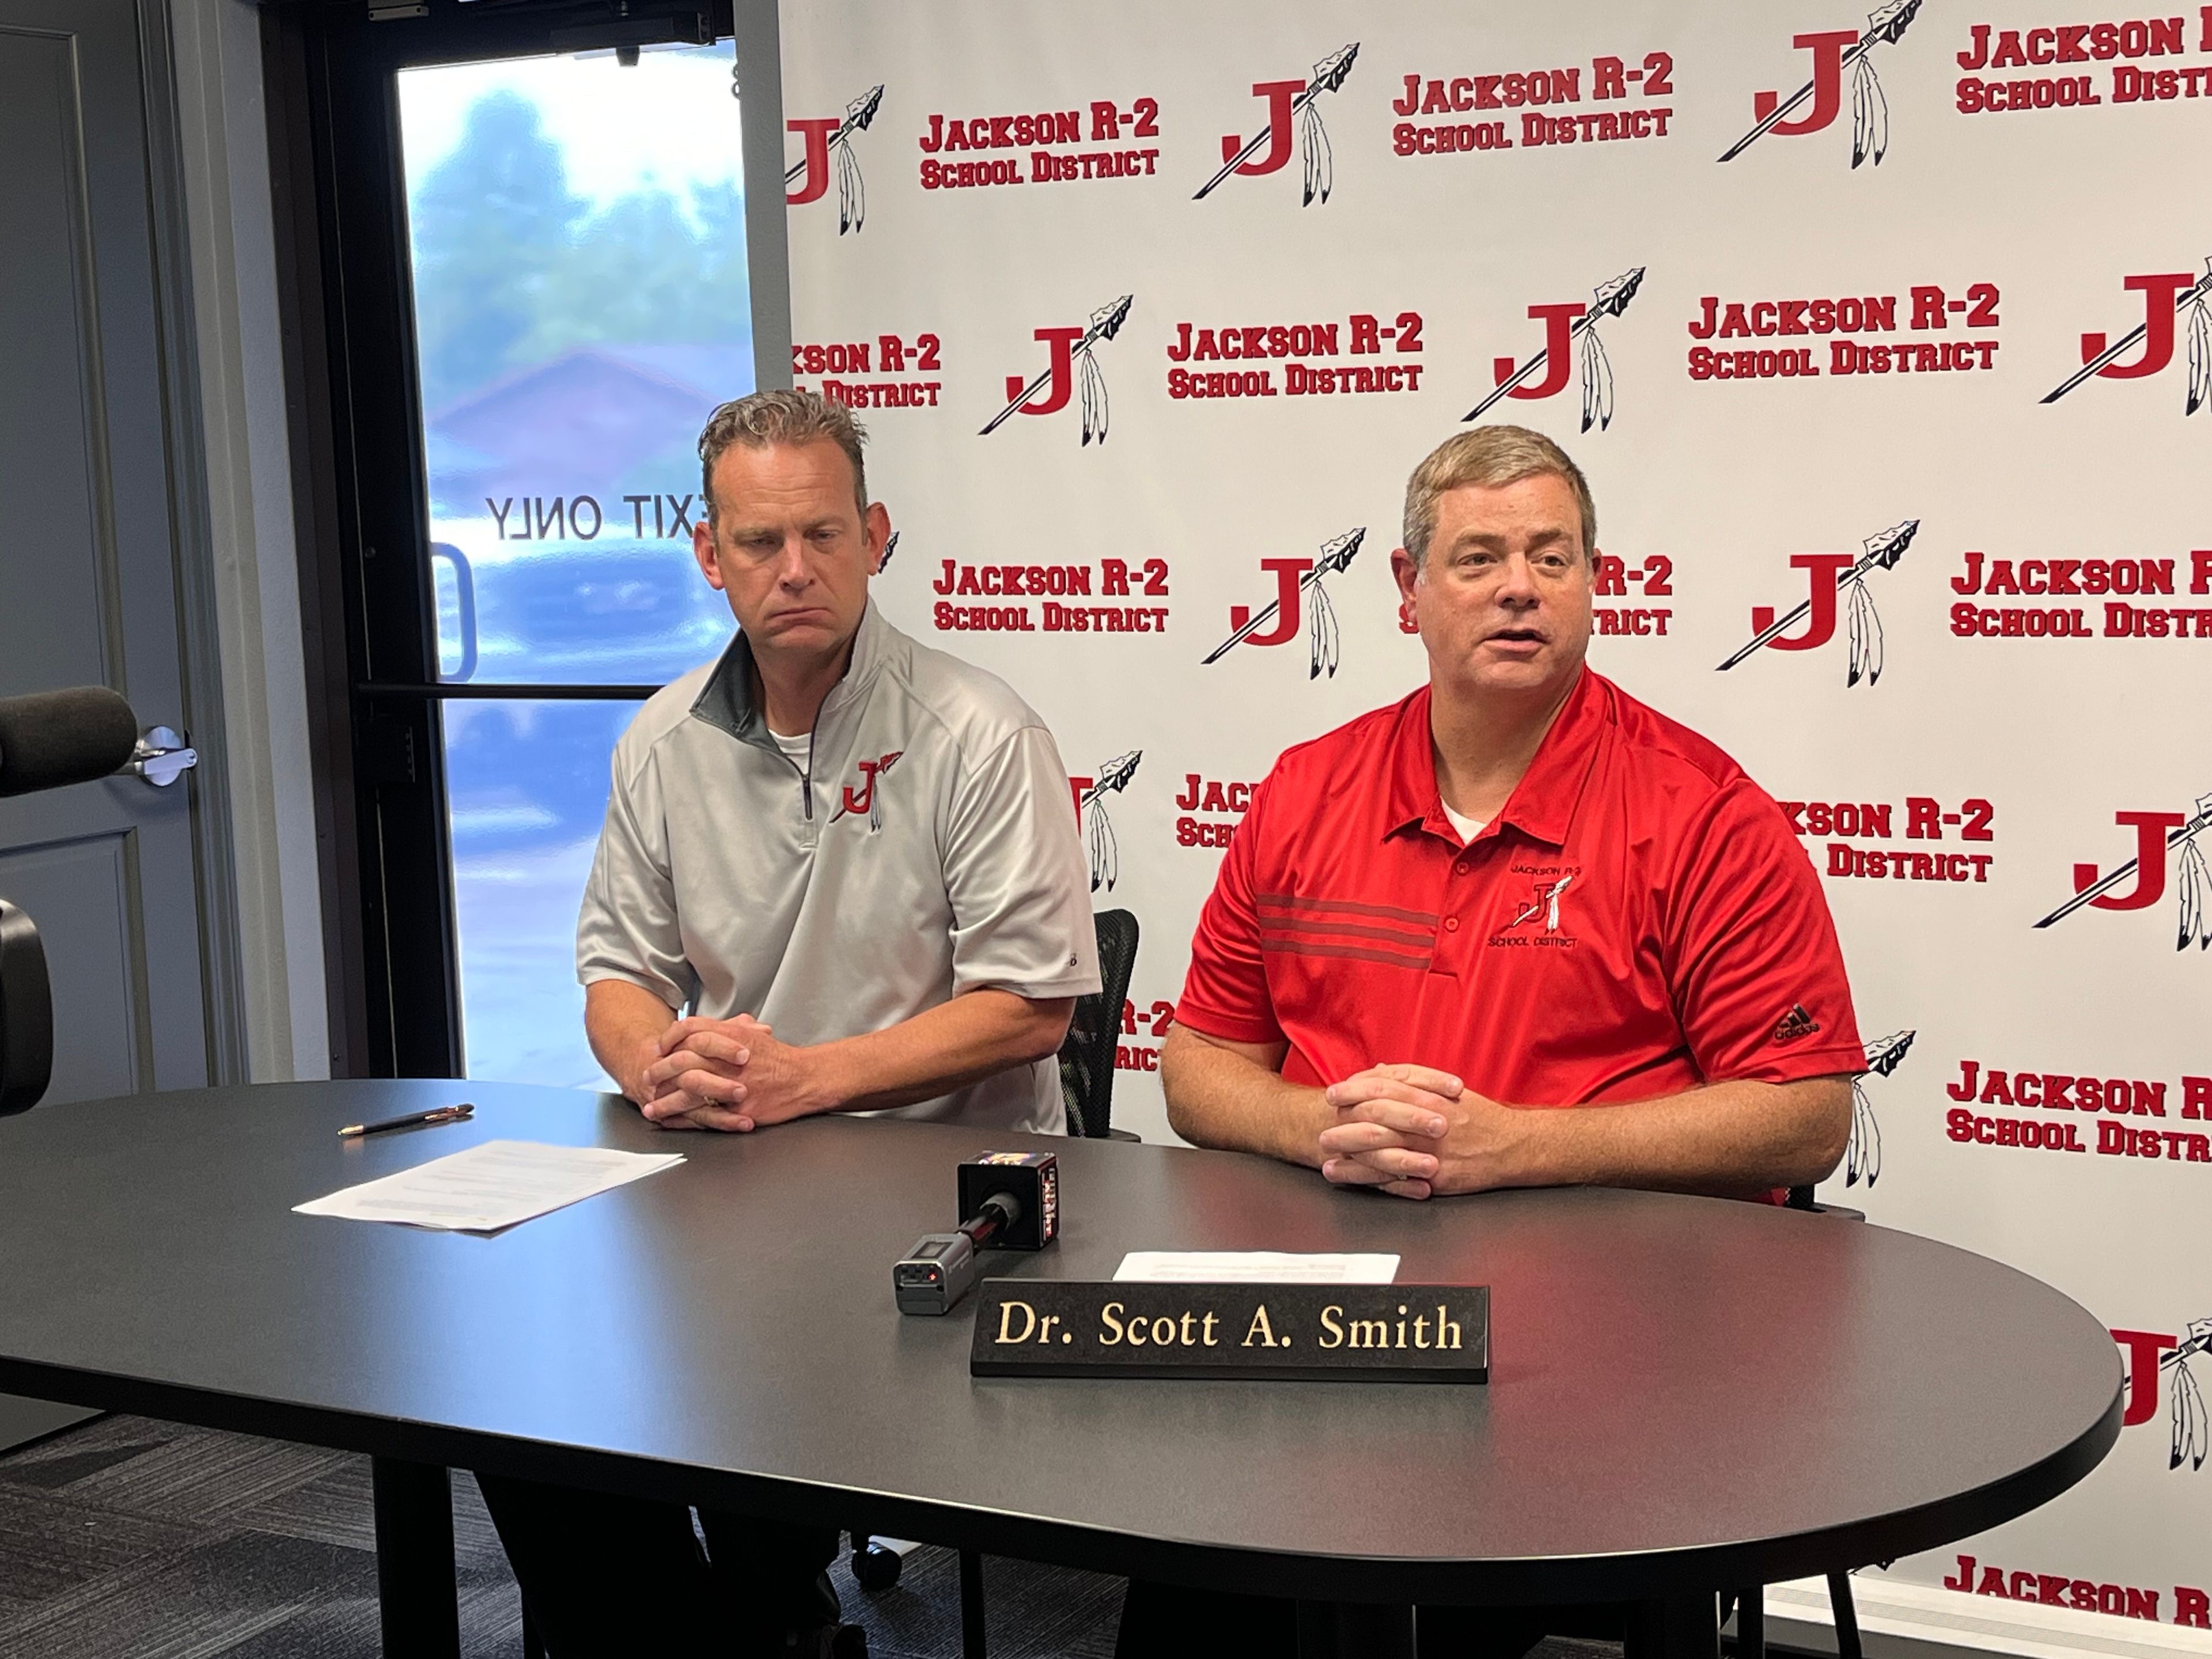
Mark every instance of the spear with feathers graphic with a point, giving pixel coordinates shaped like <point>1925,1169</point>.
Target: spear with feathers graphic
<point>1105,323</point>
<point>1321,615</point>
<point>1882,553</point>
<point>1863,1154</point>
<point>1320,161</point>
<point>1098,833</point>
<point>2197,302</point>
<point>1886,25</point>
<point>2191,1439</point>
<point>851,190</point>
<point>2193,889</point>
<point>1607,300</point>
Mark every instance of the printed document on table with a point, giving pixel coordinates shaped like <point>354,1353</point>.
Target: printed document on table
<point>490,1187</point>
<point>1254,1267</point>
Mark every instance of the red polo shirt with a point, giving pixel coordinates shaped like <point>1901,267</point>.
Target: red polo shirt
<point>1639,918</point>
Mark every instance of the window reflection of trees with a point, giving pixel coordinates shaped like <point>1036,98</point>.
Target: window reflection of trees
<point>513,268</point>
<point>571,346</point>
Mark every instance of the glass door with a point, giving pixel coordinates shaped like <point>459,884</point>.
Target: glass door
<point>575,233</point>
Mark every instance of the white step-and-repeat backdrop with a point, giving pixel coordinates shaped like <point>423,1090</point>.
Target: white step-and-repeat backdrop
<point>1883,341</point>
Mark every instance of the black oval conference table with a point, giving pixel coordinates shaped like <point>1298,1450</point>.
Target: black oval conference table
<point>1687,1395</point>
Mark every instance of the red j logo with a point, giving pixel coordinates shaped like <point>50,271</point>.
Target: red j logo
<point>2150,829</point>
<point>1827,569</point>
<point>1278,95</point>
<point>814,167</point>
<point>1060,342</point>
<point>1828,49</point>
<point>865,800</point>
<point>1559,322</point>
<point>1288,575</point>
<point>2161,302</point>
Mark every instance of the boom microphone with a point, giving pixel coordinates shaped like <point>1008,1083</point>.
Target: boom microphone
<point>52,739</point>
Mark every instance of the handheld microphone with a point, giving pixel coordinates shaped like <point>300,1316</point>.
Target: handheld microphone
<point>1011,1202</point>
<point>941,1268</point>
<point>50,739</point>
<point>998,1214</point>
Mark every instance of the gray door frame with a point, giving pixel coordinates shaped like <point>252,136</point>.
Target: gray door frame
<point>200,647</point>
<point>758,32</point>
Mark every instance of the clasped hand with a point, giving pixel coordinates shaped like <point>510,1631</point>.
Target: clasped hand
<point>729,1074</point>
<point>1414,1131</point>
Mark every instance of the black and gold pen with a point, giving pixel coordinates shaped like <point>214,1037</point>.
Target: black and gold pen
<point>459,1113</point>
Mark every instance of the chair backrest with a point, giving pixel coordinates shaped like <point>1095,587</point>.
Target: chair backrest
<point>1801,1198</point>
<point>1086,1057</point>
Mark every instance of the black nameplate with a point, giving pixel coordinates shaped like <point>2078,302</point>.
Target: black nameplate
<point>1293,1333</point>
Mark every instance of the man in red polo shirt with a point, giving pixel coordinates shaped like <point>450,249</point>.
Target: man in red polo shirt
<point>1518,888</point>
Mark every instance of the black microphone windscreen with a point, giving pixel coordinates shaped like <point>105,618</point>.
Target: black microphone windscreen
<point>50,738</point>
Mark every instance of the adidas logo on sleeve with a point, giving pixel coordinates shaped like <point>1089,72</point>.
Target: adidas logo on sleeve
<point>1795,1025</point>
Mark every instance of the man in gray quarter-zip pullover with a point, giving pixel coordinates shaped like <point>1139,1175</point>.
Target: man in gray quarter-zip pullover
<point>916,846</point>
<point>854,860</point>
<point>834,832</point>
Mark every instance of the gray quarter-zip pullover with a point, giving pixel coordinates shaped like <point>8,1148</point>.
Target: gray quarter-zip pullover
<point>930,848</point>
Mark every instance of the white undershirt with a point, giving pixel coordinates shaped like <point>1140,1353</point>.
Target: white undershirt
<point>1468,828</point>
<point>796,749</point>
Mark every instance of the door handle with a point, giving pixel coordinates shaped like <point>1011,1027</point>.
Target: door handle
<point>163,756</point>
<point>464,590</point>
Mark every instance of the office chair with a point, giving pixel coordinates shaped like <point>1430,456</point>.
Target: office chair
<point>1751,1604</point>
<point>1086,1055</point>
<point>1801,1198</point>
<point>27,1013</point>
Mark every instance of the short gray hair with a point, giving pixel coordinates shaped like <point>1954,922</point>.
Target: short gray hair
<point>1489,458</point>
<point>791,416</point>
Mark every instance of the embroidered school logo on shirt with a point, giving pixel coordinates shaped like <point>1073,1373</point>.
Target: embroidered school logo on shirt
<point>1539,913</point>
<point>866,801</point>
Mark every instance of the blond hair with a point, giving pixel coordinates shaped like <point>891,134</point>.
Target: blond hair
<point>791,416</point>
<point>1489,458</point>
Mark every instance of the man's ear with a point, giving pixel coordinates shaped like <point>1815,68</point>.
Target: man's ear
<point>1405,571</point>
<point>702,549</point>
<point>877,526</point>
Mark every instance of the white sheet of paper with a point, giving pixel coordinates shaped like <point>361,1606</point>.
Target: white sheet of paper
<point>1254,1267</point>
<point>490,1187</point>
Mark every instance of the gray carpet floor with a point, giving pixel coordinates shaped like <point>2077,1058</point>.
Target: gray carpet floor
<point>130,1539</point>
